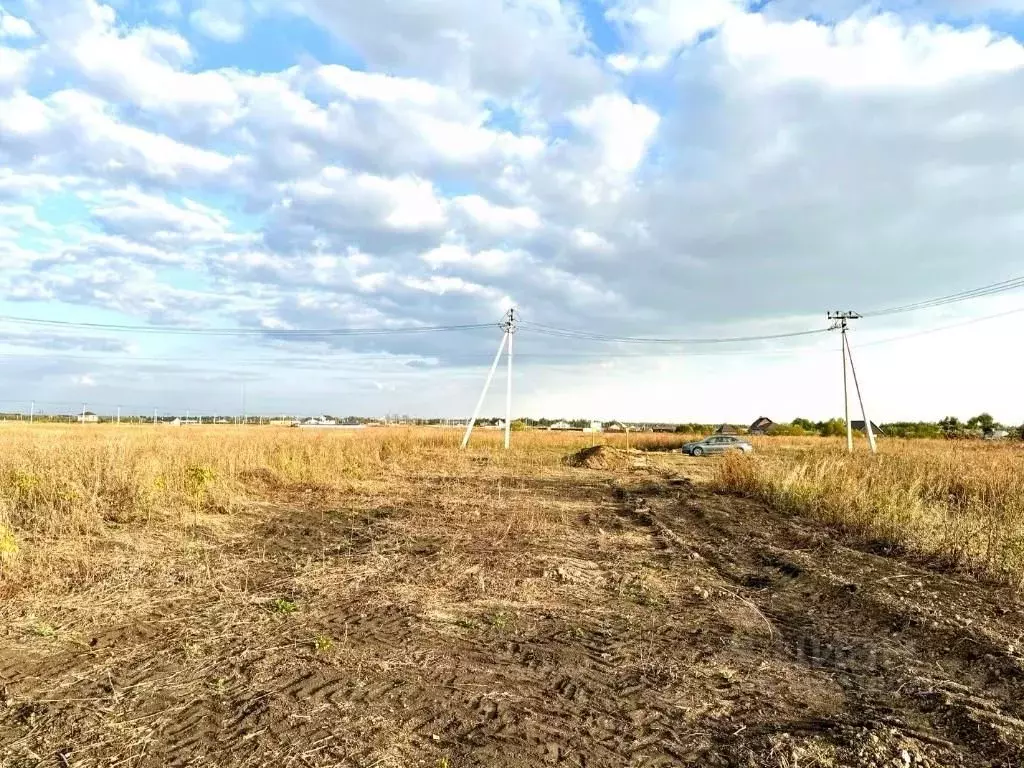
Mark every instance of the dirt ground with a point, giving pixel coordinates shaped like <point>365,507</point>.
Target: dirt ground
<point>579,618</point>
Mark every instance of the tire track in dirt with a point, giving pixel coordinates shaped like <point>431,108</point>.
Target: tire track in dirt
<point>952,689</point>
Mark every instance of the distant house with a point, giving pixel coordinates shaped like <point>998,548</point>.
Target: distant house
<point>614,426</point>
<point>726,429</point>
<point>991,433</point>
<point>595,426</point>
<point>561,425</point>
<point>761,426</point>
<point>858,426</point>
<point>88,418</point>
<point>320,421</point>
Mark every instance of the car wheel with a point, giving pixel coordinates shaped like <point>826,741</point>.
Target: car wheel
<point>698,451</point>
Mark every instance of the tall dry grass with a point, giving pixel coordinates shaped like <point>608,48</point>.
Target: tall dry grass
<point>70,479</point>
<point>960,503</point>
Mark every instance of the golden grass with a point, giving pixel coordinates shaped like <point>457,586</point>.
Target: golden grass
<point>961,503</point>
<point>70,495</point>
<point>64,486</point>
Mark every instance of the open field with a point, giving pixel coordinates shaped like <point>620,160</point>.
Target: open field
<point>273,597</point>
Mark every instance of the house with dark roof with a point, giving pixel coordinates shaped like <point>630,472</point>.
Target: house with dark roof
<point>859,427</point>
<point>726,429</point>
<point>761,426</point>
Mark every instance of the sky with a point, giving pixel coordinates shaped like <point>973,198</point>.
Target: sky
<point>674,169</point>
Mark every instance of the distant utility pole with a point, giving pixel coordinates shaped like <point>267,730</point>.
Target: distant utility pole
<point>154,415</point>
<point>32,412</point>
<point>83,413</point>
<point>508,325</point>
<point>841,323</point>
<point>119,414</point>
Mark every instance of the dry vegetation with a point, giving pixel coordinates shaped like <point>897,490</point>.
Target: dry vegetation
<point>960,503</point>
<point>225,596</point>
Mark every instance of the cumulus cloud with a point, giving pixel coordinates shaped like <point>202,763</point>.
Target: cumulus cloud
<point>508,49</point>
<point>661,27</point>
<point>12,26</point>
<point>223,20</point>
<point>621,128</point>
<point>728,170</point>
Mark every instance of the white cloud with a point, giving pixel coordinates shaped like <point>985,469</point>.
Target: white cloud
<point>628,63</point>
<point>145,215</point>
<point>622,129</point>
<point>14,27</point>
<point>14,66</point>
<point>590,241</point>
<point>403,203</point>
<point>169,8</point>
<point>388,89</point>
<point>508,50</point>
<point>223,20</point>
<point>491,260</point>
<point>496,219</point>
<point>84,380</point>
<point>874,52</point>
<point>658,28</point>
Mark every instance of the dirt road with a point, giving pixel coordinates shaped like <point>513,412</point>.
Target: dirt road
<point>606,620</point>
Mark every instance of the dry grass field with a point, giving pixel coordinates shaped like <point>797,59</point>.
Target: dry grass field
<point>225,596</point>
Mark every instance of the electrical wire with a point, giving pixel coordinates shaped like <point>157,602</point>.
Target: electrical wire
<point>256,332</point>
<point>974,293</point>
<point>939,329</point>
<point>566,333</point>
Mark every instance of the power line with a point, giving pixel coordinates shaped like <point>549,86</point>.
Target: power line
<point>258,332</point>
<point>953,298</point>
<point>566,333</point>
<point>941,328</point>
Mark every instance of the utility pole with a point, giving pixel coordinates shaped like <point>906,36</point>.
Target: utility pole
<point>154,415</point>
<point>83,413</point>
<point>119,414</point>
<point>863,411</point>
<point>32,412</point>
<point>841,324</point>
<point>510,329</point>
<point>508,325</point>
<point>244,419</point>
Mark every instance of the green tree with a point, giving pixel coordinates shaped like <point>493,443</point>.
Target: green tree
<point>981,421</point>
<point>832,428</point>
<point>805,424</point>
<point>788,430</point>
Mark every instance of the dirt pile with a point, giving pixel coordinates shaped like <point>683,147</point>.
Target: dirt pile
<point>605,457</point>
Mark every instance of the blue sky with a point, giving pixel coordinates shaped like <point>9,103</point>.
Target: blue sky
<point>686,168</point>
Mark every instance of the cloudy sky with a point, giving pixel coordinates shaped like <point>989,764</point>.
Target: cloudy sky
<point>632,168</point>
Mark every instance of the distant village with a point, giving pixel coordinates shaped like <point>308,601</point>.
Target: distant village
<point>982,426</point>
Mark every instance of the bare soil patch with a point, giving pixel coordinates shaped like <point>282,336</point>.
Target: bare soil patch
<point>607,458</point>
<point>489,618</point>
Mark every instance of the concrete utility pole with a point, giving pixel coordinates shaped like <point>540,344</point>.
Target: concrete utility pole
<point>508,325</point>
<point>841,324</point>
<point>32,412</point>
<point>510,329</point>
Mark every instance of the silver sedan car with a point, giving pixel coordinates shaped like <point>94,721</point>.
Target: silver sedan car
<point>717,444</point>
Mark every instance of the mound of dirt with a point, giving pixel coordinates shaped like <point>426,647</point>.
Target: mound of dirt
<point>604,457</point>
